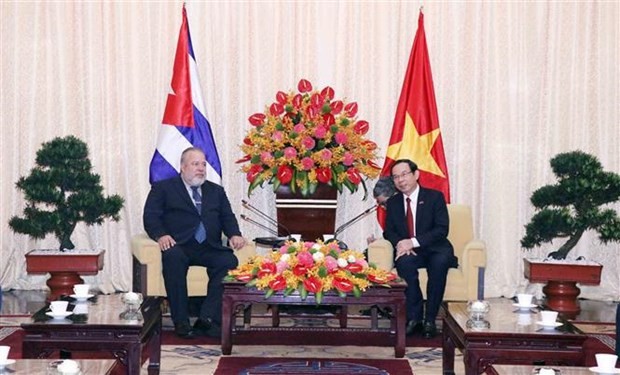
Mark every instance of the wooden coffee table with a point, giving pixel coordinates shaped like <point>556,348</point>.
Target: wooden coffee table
<point>238,299</point>
<point>529,370</point>
<point>100,329</point>
<point>511,338</point>
<point>46,366</point>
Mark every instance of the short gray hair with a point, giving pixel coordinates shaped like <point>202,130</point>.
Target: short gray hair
<point>385,187</point>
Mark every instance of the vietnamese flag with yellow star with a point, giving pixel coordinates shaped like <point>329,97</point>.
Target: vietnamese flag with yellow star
<point>415,133</point>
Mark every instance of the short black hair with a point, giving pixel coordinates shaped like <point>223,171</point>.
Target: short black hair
<point>412,166</point>
<point>385,187</point>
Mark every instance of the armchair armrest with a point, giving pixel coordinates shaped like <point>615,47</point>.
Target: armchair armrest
<point>474,255</point>
<point>381,254</point>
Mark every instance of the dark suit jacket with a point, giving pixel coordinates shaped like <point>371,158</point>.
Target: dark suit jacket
<point>170,210</point>
<point>431,222</point>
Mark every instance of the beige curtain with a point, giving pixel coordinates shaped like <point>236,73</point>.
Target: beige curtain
<point>515,82</point>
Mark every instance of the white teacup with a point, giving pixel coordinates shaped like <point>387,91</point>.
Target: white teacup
<point>548,317</point>
<point>524,299</point>
<point>606,362</point>
<point>81,289</point>
<point>4,352</point>
<point>68,366</point>
<point>546,371</point>
<point>327,237</point>
<point>297,237</point>
<point>59,307</point>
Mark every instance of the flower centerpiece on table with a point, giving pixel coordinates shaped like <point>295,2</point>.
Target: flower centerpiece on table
<point>307,138</point>
<point>311,267</point>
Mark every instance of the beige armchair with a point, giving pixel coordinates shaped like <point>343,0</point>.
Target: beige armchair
<point>462,284</point>
<point>147,274</point>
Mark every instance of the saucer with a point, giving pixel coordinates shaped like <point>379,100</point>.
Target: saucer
<point>549,325</point>
<point>6,362</point>
<point>82,298</point>
<point>58,315</point>
<point>610,371</point>
<point>524,307</point>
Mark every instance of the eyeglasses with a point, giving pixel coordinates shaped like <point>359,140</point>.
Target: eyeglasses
<point>397,177</point>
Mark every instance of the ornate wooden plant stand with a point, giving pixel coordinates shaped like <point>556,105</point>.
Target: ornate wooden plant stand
<point>64,268</point>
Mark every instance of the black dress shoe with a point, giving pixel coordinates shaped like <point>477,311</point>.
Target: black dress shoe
<point>413,327</point>
<point>215,330</point>
<point>183,330</point>
<point>201,327</point>
<point>430,330</point>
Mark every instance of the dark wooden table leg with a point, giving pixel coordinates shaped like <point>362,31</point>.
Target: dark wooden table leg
<point>154,349</point>
<point>447,350</point>
<point>227,320</point>
<point>401,318</point>
<point>133,358</point>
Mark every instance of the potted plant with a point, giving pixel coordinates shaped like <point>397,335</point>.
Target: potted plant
<point>61,191</point>
<point>566,210</point>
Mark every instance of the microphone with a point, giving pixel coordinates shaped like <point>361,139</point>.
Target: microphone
<point>349,223</point>
<point>266,217</point>
<point>259,225</point>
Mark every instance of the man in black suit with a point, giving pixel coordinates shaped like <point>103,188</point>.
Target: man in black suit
<point>417,226</point>
<point>187,215</point>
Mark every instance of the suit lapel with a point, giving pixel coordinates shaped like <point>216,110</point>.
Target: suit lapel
<point>179,186</point>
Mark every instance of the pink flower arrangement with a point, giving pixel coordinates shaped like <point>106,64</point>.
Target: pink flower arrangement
<point>311,267</point>
<point>310,138</point>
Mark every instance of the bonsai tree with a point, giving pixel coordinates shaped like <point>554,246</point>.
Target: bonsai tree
<point>61,191</point>
<point>569,208</point>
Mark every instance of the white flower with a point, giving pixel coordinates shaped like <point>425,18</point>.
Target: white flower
<point>351,259</point>
<point>316,246</point>
<point>318,256</point>
<point>342,263</point>
<point>285,257</point>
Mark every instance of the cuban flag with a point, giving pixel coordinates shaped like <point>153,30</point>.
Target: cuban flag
<point>185,121</point>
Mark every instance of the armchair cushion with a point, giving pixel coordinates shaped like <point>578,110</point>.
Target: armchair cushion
<point>148,278</point>
<point>462,284</point>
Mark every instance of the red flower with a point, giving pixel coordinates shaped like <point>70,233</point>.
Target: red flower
<point>329,119</point>
<point>316,100</point>
<point>247,141</point>
<point>380,279</point>
<point>245,277</point>
<point>297,101</point>
<point>300,270</point>
<point>327,93</point>
<point>244,159</point>
<point>253,172</point>
<point>281,97</point>
<point>354,175</point>
<point>285,174</point>
<point>257,119</point>
<point>313,284</point>
<point>277,284</point>
<point>266,268</point>
<point>373,164</point>
<point>342,284</point>
<point>323,175</point>
<point>304,86</point>
<point>351,109</point>
<point>370,145</point>
<point>361,127</point>
<point>276,109</point>
<point>355,267</point>
<point>336,107</point>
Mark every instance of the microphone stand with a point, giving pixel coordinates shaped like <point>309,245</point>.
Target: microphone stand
<point>259,225</point>
<point>357,218</point>
<point>266,217</point>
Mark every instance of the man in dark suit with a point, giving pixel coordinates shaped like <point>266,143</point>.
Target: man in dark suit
<point>417,226</point>
<point>187,215</point>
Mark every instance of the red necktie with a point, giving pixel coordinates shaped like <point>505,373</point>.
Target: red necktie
<point>410,219</point>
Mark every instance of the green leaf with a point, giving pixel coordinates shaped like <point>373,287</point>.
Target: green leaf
<point>356,291</point>
<point>319,297</point>
<point>303,293</point>
<point>268,293</point>
<point>288,291</point>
